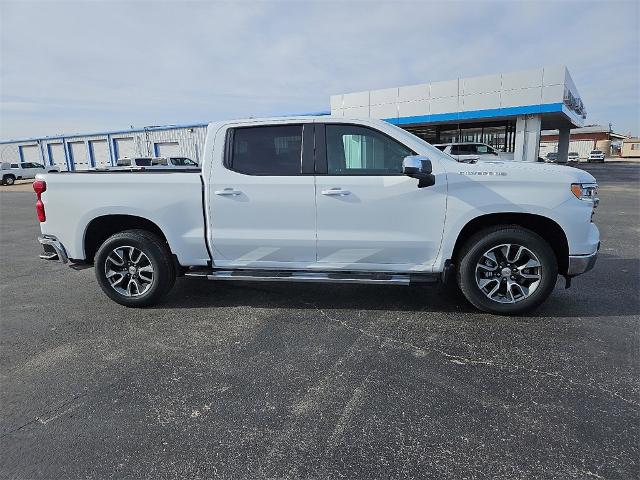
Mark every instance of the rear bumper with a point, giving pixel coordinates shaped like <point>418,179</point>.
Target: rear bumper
<point>52,249</point>
<point>579,264</point>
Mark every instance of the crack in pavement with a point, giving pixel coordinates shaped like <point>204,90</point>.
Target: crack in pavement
<point>65,407</point>
<point>460,360</point>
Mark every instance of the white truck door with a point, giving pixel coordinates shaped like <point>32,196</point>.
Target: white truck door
<point>371,216</point>
<point>262,207</point>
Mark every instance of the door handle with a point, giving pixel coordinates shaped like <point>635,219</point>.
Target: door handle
<point>335,192</point>
<point>228,192</point>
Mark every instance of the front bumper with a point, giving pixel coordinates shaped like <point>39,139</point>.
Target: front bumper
<point>579,264</point>
<point>52,249</point>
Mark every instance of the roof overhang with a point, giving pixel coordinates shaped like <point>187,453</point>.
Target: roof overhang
<point>548,92</point>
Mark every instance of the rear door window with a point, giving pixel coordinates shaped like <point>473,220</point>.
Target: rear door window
<point>266,150</point>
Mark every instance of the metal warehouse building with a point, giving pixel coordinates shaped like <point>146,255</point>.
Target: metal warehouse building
<point>507,111</point>
<point>84,151</point>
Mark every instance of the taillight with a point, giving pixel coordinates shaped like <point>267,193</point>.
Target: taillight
<point>40,186</point>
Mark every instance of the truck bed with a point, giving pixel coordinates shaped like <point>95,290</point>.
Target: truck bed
<point>170,198</point>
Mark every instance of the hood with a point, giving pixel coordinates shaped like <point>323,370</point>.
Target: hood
<point>547,171</point>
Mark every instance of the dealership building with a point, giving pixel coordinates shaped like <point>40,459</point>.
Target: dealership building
<point>506,110</point>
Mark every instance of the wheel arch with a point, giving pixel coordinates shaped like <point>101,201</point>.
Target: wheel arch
<point>547,228</point>
<point>102,227</point>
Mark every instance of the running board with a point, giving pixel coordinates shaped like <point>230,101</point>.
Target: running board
<point>376,278</point>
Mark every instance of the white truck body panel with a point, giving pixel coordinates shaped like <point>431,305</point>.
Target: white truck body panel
<point>173,201</point>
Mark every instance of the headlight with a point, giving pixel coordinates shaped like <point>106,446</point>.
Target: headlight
<point>585,191</point>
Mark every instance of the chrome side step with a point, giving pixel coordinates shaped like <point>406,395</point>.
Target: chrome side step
<point>375,278</point>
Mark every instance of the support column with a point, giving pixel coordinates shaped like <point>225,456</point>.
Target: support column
<point>527,144</point>
<point>563,145</point>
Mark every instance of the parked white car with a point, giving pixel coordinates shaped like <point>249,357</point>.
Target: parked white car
<point>470,152</point>
<point>324,199</point>
<point>10,172</point>
<point>596,156</point>
<point>573,157</point>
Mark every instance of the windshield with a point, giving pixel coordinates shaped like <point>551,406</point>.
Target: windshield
<point>183,162</point>
<point>414,138</point>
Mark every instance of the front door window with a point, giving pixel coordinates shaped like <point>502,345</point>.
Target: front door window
<point>355,150</point>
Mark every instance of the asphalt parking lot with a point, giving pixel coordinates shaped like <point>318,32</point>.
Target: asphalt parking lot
<point>320,381</point>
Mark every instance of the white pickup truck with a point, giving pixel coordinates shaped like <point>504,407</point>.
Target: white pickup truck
<point>10,172</point>
<point>323,199</point>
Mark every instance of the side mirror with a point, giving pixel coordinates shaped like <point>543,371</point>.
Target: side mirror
<point>418,166</point>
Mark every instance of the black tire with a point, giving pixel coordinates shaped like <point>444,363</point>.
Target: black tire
<point>483,241</point>
<point>8,180</point>
<point>158,254</point>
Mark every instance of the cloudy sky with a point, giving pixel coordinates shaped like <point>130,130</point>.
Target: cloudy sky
<point>90,66</point>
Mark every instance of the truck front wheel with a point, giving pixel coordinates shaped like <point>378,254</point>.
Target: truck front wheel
<point>507,270</point>
<point>134,268</point>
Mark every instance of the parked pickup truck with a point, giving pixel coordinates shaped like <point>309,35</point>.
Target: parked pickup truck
<point>323,199</point>
<point>10,172</point>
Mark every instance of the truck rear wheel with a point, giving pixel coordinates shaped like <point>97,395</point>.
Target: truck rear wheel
<point>8,180</point>
<point>507,270</point>
<point>134,268</point>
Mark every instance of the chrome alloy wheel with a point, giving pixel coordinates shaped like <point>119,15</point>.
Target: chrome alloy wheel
<point>129,271</point>
<point>508,273</point>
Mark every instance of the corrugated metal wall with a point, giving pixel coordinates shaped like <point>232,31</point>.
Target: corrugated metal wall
<point>144,143</point>
<point>9,152</point>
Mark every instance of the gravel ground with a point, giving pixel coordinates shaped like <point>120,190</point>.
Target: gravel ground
<point>247,380</point>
